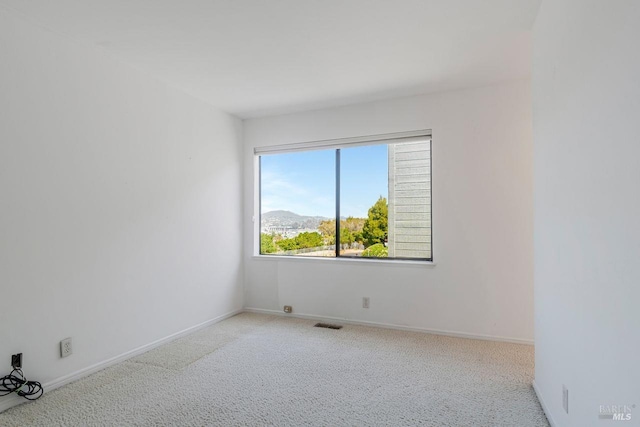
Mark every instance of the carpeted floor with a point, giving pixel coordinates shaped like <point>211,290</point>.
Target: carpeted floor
<point>259,370</point>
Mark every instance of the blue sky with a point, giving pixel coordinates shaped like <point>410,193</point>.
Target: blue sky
<point>304,182</point>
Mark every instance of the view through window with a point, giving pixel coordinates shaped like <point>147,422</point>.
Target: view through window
<point>381,194</point>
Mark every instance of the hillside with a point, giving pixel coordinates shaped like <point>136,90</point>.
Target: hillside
<point>288,219</point>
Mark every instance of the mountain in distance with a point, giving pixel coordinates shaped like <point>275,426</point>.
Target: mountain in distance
<point>281,215</point>
<point>281,218</point>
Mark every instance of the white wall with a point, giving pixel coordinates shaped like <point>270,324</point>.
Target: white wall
<point>482,283</point>
<point>587,207</point>
<point>120,205</point>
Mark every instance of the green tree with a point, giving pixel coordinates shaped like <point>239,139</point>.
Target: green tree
<point>374,229</point>
<point>350,230</point>
<point>352,224</point>
<point>327,229</point>
<point>309,240</point>
<point>346,237</point>
<point>288,244</point>
<point>266,244</point>
<point>301,241</point>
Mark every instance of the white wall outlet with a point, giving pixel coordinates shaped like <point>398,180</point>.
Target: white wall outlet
<point>565,398</point>
<point>66,349</point>
<point>365,302</point>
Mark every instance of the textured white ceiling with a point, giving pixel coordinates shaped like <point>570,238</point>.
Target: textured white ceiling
<point>262,57</point>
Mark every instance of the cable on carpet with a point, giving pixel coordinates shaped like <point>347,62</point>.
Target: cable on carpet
<point>16,383</point>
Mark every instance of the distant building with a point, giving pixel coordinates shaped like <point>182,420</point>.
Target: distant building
<point>276,229</point>
<point>409,218</point>
<point>285,231</point>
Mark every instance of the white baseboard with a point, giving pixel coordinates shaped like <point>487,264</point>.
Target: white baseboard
<point>544,405</point>
<point>10,401</point>
<point>392,326</point>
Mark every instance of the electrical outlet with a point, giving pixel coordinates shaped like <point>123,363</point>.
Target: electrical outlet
<point>288,309</point>
<point>365,302</point>
<point>16,361</point>
<point>565,398</point>
<point>66,349</point>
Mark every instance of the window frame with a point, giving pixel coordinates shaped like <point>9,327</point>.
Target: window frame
<point>337,144</point>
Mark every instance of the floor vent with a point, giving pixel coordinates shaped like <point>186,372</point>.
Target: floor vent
<point>327,325</point>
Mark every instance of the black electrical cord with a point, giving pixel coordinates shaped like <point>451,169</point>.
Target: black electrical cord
<point>18,384</point>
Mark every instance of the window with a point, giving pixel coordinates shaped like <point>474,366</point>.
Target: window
<point>379,189</point>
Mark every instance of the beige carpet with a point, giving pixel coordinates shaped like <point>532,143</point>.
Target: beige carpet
<point>258,370</point>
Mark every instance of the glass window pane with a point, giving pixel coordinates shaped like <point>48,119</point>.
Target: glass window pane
<point>297,201</point>
<point>364,192</point>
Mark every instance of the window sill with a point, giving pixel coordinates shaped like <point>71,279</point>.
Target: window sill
<point>359,261</point>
